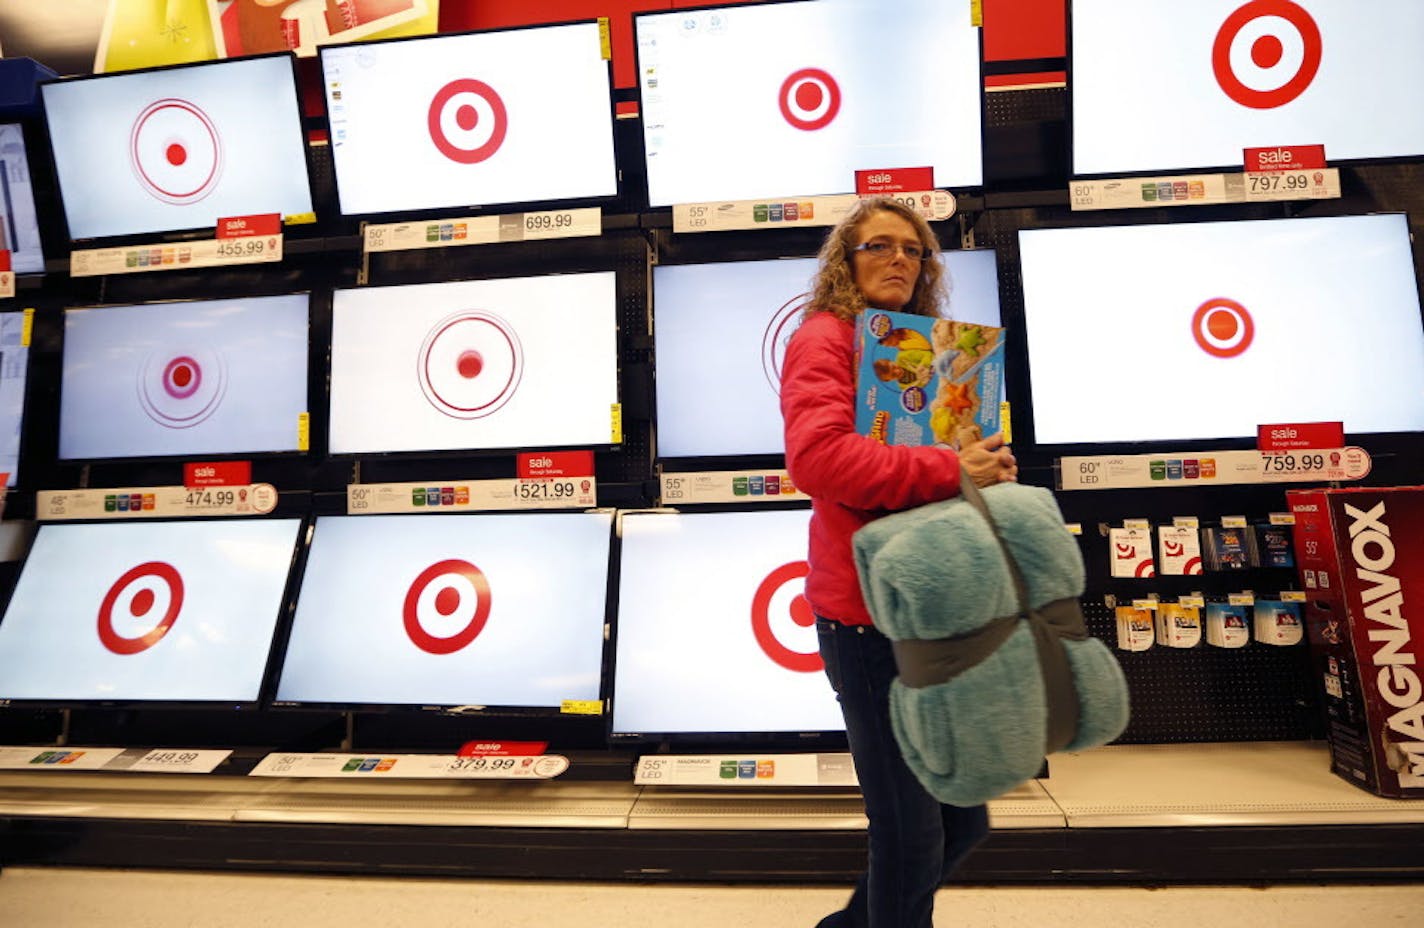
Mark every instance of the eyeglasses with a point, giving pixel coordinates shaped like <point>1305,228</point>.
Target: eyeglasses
<point>884,251</point>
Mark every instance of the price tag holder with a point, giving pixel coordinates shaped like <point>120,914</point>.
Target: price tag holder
<point>155,502</point>
<point>1212,468</point>
<point>1233,521</point>
<point>1292,596</point>
<point>176,256</point>
<point>1186,522</point>
<point>1283,518</point>
<point>1241,599</point>
<point>745,770</point>
<point>1192,602</point>
<point>412,766</point>
<point>472,495</point>
<point>1203,189</point>
<point>1141,525</point>
<point>1144,604</point>
<point>1074,528</point>
<point>726,486</point>
<point>483,230</point>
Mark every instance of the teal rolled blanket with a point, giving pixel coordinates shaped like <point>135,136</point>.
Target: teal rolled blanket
<point>988,686</point>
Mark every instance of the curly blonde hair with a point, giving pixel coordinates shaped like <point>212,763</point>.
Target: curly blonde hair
<point>833,288</point>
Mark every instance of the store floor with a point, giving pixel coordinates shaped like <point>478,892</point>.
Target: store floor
<point>58,898</point>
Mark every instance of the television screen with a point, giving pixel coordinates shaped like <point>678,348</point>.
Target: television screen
<point>720,337</point>
<point>781,99</point>
<point>14,363</point>
<point>178,148</point>
<point>1207,330</point>
<point>515,362</point>
<point>1175,87</point>
<point>19,222</point>
<point>146,611</point>
<point>502,609</point>
<point>201,377</point>
<point>456,120</point>
<point>714,635</point>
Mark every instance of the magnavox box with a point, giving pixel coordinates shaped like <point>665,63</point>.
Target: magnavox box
<point>1360,553</point>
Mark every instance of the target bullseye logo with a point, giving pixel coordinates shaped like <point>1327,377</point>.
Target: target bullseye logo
<point>449,594</point>
<point>470,364</point>
<point>809,99</point>
<point>1223,328</point>
<point>776,589</point>
<point>181,388</point>
<point>778,332</point>
<point>1266,53</point>
<point>175,151</point>
<point>147,597</point>
<point>467,121</point>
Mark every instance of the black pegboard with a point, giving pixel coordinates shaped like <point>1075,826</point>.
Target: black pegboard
<point>1259,692</point>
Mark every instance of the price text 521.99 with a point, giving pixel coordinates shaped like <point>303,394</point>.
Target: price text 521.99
<point>547,489</point>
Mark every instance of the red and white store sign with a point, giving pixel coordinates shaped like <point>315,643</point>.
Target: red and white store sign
<point>217,474</point>
<point>1300,436</point>
<point>1285,158</point>
<point>502,749</point>
<point>556,464</point>
<point>244,226</point>
<point>897,180</point>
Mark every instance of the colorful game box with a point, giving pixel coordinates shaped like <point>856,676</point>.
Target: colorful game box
<point>925,381</point>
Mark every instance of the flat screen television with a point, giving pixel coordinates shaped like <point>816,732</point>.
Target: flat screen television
<point>1205,330</point>
<point>176,149</point>
<point>14,366</point>
<point>720,333</point>
<point>1171,87</point>
<point>19,221</point>
<point>507,363</point>
<point>714,636</point>
<point>782,99</point>
<point>485,610</point>
<point>471,120</point>
<point>147,612</point>
<point>210,377</point>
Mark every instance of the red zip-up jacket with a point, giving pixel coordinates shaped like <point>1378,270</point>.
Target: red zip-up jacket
<point>850,478</point>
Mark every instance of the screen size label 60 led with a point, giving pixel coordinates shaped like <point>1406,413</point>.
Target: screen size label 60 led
<point>1212,467</point>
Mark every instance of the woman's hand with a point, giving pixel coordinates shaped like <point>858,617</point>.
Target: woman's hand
<point>989,461</point>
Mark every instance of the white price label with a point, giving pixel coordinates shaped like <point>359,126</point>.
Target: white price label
<point>1141,525</point>
<point>1192,602</point>
<point>1241,599</point>
<point>167,760</point>
<point>1212,468</point>
<point>155,502</point>
<point>1203,189</point>
<point>7,284</point>
<point>745,770</point>
<point>1292,596</point>
<point>1144,604</point>
<point>1233,521</point>
<point>31,758</point>
<point>761,214</point>
<point>728,487</point>
<point>411,766</point>
<point>1186,522</point>
<point>472,495</point>
<point>1283,518</point>
<point>175,256</point>
<point>483,230</point>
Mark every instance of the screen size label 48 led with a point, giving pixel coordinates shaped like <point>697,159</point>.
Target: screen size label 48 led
<point>155,502</point>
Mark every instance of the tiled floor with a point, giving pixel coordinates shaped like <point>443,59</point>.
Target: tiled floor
<point>58,898</point>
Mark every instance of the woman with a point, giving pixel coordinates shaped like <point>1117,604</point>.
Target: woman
<point>882,255</point>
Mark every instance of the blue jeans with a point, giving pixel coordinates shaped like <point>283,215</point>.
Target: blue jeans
<point>915,841</point>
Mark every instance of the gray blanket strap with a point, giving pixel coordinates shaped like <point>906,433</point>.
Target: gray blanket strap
<point>1053,622</point>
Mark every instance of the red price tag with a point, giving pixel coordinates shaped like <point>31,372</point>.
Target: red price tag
<point>1299,436</point>
<point>502,748</point>
<point>898,180</point>
<point>1285,158</point>
<point>556,464</point>
<point>217,474</point>
<point>244,226</point>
